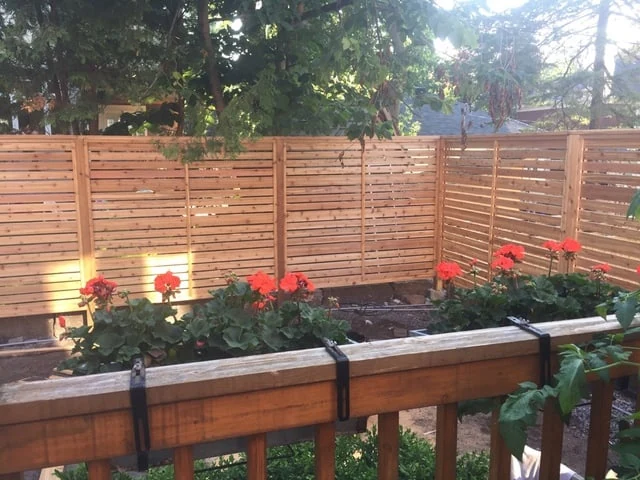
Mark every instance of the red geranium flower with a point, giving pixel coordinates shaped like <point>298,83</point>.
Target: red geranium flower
<point>503,263</point>
<point>512,251</point>
<point>552,246</point>
<point>100,289</point>
<point>62,321</point>
<point>448,271</point>
<point>473,262</point>
<point>167,283</point>
<point>289,283</point>
<point>570,246</point>
<point>292,282</point>
<point>601,267</point>
<point>638,269</point>
<point>261,283</point>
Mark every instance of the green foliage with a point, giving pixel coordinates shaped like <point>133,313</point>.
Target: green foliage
<point>356,459</point>
<point>569,387</point>
<point>119,334</point>
<point>231,324</point>
<point>237,321</point>
<point>535,298</point>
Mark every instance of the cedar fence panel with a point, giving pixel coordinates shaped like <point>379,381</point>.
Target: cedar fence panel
<point>610,176</point>
<point>80,206</point>
<point>77,206</point>
<point>526,189</point>
<point>39,241</point>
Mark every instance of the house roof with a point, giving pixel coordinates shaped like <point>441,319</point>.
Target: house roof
<point>439,123</point>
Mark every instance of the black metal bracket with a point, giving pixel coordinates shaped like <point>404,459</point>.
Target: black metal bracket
<point>545,347</point>
<point>140,414</point>
<point>342,378</point>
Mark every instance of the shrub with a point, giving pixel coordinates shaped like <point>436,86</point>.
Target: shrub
<point>356,459</point>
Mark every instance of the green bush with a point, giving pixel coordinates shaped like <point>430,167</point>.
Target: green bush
<point>356,459</point>
<point>536,298</point>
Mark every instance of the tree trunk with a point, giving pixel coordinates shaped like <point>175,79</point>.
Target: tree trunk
<point>215,86</point>
<point>599,70</point>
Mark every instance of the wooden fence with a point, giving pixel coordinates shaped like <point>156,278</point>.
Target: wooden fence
<point>80,206</point>
<point>526,189</point>
<point>44,423</point>
<point>77,206</point>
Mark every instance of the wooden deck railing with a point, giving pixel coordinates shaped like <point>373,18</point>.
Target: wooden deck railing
<point>60,422</point>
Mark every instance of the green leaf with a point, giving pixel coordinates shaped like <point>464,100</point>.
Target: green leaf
<point>108,342</point>
<point>634,206</point>
<point>626,310</point>
<point>520,411</point>
<point>572,382</point>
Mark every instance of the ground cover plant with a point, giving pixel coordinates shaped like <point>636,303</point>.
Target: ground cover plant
<point>243,318</point>
<point>356,459</point>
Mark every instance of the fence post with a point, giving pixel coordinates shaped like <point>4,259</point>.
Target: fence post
<point>572,189</point>
<point>84,212</point>
<point>363,212</point>
<point>599,426</point>
<point>500,456</point>
<point>441,158</point>
<point>446,441</point>
<point>280,204</point>
<point>492,208</point>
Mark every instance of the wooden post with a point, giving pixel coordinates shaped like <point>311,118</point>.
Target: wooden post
<point>187,200</point>
<point>440,193</point>
<point>388,445</point>
<point>325,451</point>
<point>570,221</point>
<point>99,470</point>
<point>446,441</point>
<point>183,463</point>
<point>492,207</point>
<point>552,433</point>
<point>599,426</point>
<point>363,212</point>
<point>500,461</point>
<point>84,212</point>
<point>257,457</point>
<point>280,205</point>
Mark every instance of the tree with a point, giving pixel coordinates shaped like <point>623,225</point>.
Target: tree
<point>576,34</point>
<point>230,68</point>
<point>74,54</point>
<point>495,74</point>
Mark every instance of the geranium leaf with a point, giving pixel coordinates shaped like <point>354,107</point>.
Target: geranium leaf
<point>108,342</point>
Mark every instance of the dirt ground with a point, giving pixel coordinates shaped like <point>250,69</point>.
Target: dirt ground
<point>375,313</point>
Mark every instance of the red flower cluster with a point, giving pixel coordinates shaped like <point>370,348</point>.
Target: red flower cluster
<point>601,267</point>
<point>292,282</point>
<point>638,269</point>
<point>552,246</point>
<point>261,282</point>
<point>448,271</point>
<point>62,321</point>
<point>100,289</point>
<point>570,247</point>
<point>511,251</point>
<point>503,263</point>
<point>167,283</point>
